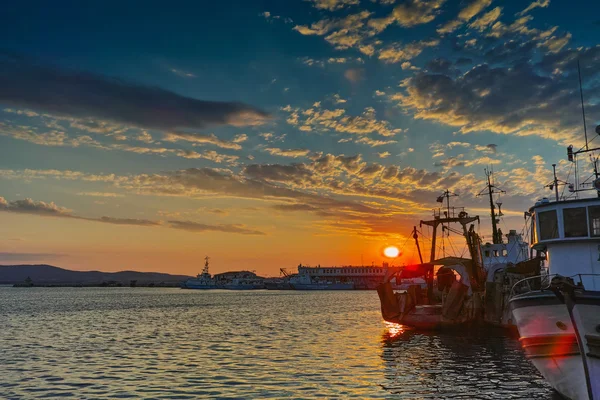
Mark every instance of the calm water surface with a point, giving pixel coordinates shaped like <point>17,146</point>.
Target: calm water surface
<point>107,343</point>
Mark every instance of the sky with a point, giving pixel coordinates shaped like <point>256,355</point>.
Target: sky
<point>266,134</point>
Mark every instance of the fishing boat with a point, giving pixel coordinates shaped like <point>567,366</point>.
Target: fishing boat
<point>485,279</point>
<point>457,297</point>
<point>202,281</point>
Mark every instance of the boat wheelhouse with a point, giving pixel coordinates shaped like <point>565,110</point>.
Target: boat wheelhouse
<point>567,234</point>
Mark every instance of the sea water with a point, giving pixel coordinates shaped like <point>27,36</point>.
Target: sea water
<point>154,343</point>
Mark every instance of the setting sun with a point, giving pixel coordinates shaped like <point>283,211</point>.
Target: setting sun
<point>391,252</point>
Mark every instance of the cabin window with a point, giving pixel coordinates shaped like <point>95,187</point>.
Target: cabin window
<point>548,225</point>
<point>487,253</point>
<point>504,252</point>
<point>594,213</point>
<point>495,253</point>
<point>575,220</point>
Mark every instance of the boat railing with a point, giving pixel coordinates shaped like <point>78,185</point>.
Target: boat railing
<point>542,282</point>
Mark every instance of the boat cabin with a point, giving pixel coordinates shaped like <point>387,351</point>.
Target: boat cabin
<point>513,251</point>
<point>568,232</point>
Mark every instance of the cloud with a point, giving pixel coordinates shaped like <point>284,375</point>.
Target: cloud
<point>518,27</point>
<point>29,206</point>
<point>535,4</point>
<point>323,186</point>
<point>374,142</point>
<point>30,134</point>
<point>332,5</point>
<point>86,95</point>
<point>416,12</point>
<point>287,153</point>
<point>227,228</point>
<point>468,12</point>
<point>207,155</point>
<point>32,207</point>
<point>199,138</point>
<point>554,44</point>
<point>331,60</point>
<point>525,99</point>
<point>397,53</point>
<point>486,19</point>
<point>125,221</point>
<point>240,138</point>
<point>100,194</point>
<point>474,8</point>
<point>145,137</point>
<point>181,73</point>
<point>53,138</point>
<point>325,120</point>
<point>359,30</point>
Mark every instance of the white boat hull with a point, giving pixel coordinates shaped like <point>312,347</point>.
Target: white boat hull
<point>550,342</point>
<point>585,314</point>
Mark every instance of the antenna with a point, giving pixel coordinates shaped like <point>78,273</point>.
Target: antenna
<point>572,155</point>
<point>446,195</point>
<point>582,106</point>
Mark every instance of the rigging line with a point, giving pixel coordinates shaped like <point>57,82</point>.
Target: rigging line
<point>405,241</point>
<point>589,141</point>
<point>452,246</point>
<point>565,186</point>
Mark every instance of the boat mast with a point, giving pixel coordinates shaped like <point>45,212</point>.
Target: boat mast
<point>582,106</point>
<point>416,237</point>
<point>462,218</point>
<point>496,234</point>
<point>555,181</point>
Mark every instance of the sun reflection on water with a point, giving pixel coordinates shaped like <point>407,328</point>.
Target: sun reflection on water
<point>394,330</point>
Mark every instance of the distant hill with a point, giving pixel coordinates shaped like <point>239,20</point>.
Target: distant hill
<point>50,275</point>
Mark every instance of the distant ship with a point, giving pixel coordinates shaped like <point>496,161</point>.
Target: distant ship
<point>346,277</point>
<point>305,280</point>
<point>202,281</point>
<point>239,280</point>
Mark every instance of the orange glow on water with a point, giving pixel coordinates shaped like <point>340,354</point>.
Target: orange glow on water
<point>391,252</point>
<point>394,330</point>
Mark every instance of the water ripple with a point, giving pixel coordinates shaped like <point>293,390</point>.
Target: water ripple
<point>108,343</point>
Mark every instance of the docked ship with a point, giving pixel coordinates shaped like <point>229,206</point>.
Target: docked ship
<point>344,277</point>
<point>202,281</point>
<point>460,290</point>
<point>239,280</point>
<point>309,278</point>
<point>452,301</point>
<point>557,312</point>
